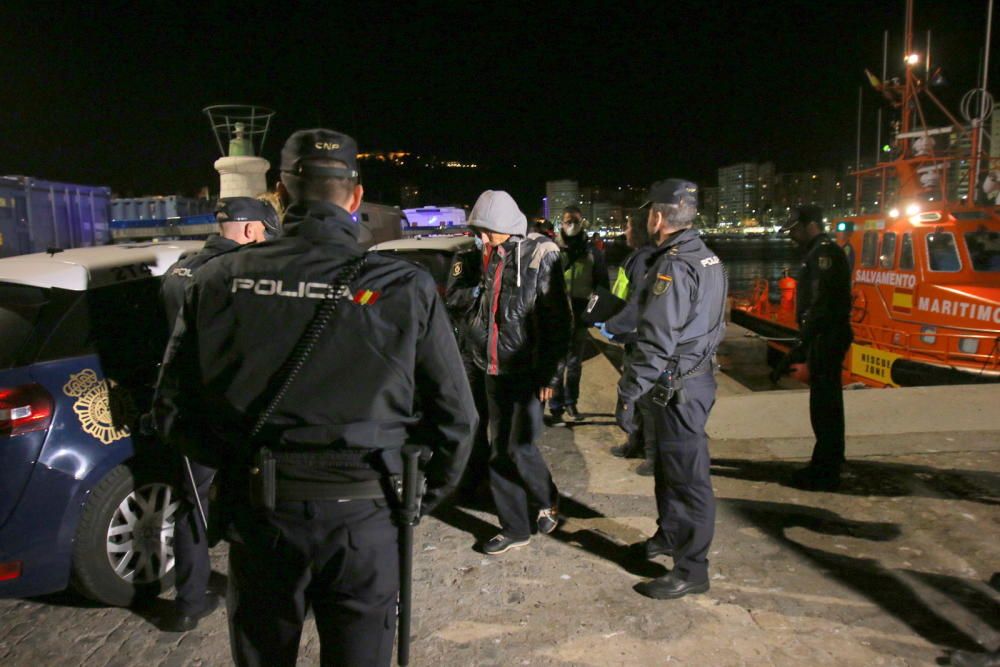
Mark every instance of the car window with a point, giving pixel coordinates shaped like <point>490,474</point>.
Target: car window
<point>20,309</point>
<point>984,249</point>
<point>128,329</point>
<point>942,254</point>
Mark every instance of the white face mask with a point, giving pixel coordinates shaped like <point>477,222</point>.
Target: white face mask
<point>572,228</point>
<point>479,243</point>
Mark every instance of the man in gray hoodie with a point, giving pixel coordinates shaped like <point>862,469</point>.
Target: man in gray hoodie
<point>518,333</point>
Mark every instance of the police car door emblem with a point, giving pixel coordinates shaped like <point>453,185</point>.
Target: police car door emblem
<point>92,406</point>
<point>456,270</point>
<point>825,263</point>
<point>662,284</point>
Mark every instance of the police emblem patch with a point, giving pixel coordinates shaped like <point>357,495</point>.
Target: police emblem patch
<point>825,263</point>
<point>456,270</point>
<point>92,407</point>
<point>662,284</point>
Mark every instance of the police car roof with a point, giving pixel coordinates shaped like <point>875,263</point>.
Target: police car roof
<point>80,268</point>
<point>439,242</point>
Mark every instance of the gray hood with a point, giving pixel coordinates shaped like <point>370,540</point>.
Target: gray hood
<point>497,211</point>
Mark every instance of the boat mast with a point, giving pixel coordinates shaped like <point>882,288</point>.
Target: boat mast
<point>977,123</point>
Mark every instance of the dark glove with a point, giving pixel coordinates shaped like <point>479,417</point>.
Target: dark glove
<point>625,416</point>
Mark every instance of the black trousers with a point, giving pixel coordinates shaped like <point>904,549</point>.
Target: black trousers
<point>567,392</point>
<point>643,439</point>
<point>339,558</point>
<point>519,478</point>
<point>684,498</point>
<point>477,469</point>
<point>826,401</point>
<point>192,565</point>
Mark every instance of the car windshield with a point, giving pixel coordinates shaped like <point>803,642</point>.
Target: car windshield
<point>984,249</point>
<point>20,309</point>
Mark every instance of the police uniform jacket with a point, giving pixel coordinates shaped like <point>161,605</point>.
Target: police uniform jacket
<point>522,321</point>
<point>385,371</point>
<point>633,274</point>
<point>823,295</point>
<point>176,279</point>
<point>681,312</point>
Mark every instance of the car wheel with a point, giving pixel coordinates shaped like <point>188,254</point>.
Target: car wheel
<point>124,546</point>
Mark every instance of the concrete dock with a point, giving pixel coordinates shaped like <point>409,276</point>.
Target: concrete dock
<point>893,569</point>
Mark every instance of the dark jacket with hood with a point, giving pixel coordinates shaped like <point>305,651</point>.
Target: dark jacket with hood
<point>521,324</point>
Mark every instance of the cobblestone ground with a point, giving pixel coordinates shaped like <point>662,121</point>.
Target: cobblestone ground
<point>890,570</point>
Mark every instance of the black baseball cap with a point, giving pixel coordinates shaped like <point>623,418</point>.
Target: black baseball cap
<point>803,215</point>
<point>306,146</point>
<point>672,191</point>
<point>247,209</point>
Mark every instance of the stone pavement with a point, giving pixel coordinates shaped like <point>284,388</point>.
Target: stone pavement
<point>891,570</point>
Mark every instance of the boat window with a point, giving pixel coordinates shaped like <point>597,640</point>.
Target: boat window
<point>984,249</point>
<point>942,253</point>
<point>869,249</point>
<point>888,256</point>
<point>906,253</point>
<point>849,253</point>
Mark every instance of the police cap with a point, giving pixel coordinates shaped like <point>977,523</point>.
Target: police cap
<point>305,147</point>
<point>246,209</point>
<point>672,191</point>
<point>803,215</point>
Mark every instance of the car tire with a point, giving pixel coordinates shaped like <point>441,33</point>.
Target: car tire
<point>123,550</point>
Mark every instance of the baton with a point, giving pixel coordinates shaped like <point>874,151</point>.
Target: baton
<point>411,484</point>
<point>197,498</point>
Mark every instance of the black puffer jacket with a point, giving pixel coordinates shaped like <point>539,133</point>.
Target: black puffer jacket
<point>521,324</point>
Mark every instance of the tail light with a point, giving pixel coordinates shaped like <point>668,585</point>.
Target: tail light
<point>24,409</point>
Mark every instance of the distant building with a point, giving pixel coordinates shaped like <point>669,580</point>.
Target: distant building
<point>815,188</point>
<point>559,195</point>
<point>745,192</point>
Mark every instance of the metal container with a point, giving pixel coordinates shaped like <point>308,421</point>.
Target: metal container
<point>159,207</point>
<point>36,215</point>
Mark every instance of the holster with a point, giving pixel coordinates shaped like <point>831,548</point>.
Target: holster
<point>665,386</point>
<point>263,480</point>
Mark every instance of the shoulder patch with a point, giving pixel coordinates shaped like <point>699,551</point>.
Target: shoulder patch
<point>366,297</point>
<point>662,284</point>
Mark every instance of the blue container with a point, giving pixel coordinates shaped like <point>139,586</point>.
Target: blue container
<point>36,215</point>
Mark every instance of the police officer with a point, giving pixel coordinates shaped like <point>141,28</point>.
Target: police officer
<point>308,428</point>
<point>823,311</point>
<point>681,322</point>
<point>241,220</point>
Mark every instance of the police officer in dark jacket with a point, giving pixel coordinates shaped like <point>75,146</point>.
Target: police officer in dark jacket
<point>622,328</point>
<point>681,322</point>
<point>241,220</point>
<point>823,311</point>
<point>518,333</point>
<point>384,370</point>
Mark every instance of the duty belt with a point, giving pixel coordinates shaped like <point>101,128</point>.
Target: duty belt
<point>297,490</point>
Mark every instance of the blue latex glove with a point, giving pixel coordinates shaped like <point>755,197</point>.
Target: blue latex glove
<point>603,329</point>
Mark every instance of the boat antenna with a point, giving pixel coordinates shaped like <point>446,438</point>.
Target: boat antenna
<point>857,157</point>
<point>885,67</point>
<point>985,100</point>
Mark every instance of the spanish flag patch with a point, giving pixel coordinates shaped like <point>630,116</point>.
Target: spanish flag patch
<point>366,297</point>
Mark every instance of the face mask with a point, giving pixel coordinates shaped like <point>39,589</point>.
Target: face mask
<point>479,243</point>
<point>572,228</point>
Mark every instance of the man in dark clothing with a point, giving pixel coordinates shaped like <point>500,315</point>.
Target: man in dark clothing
<point>242,220</point>
<point>518,333</point>
<point>622,327</point>
<point>823,311</point>
<point>300,367</point>
<point>681,322</point>
<point>583,271</point>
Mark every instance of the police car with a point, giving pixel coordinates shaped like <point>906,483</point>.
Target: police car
<point>434,252</point>
<point>83,495</point>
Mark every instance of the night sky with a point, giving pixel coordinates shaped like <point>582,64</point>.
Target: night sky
<point>605,93</point>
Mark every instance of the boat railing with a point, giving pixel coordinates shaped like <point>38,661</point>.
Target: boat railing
<point>945,348</point>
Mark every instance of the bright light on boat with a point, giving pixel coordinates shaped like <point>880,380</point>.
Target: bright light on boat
<point>894,213</point>
<point>912,209</point>
<point>913,59</point>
